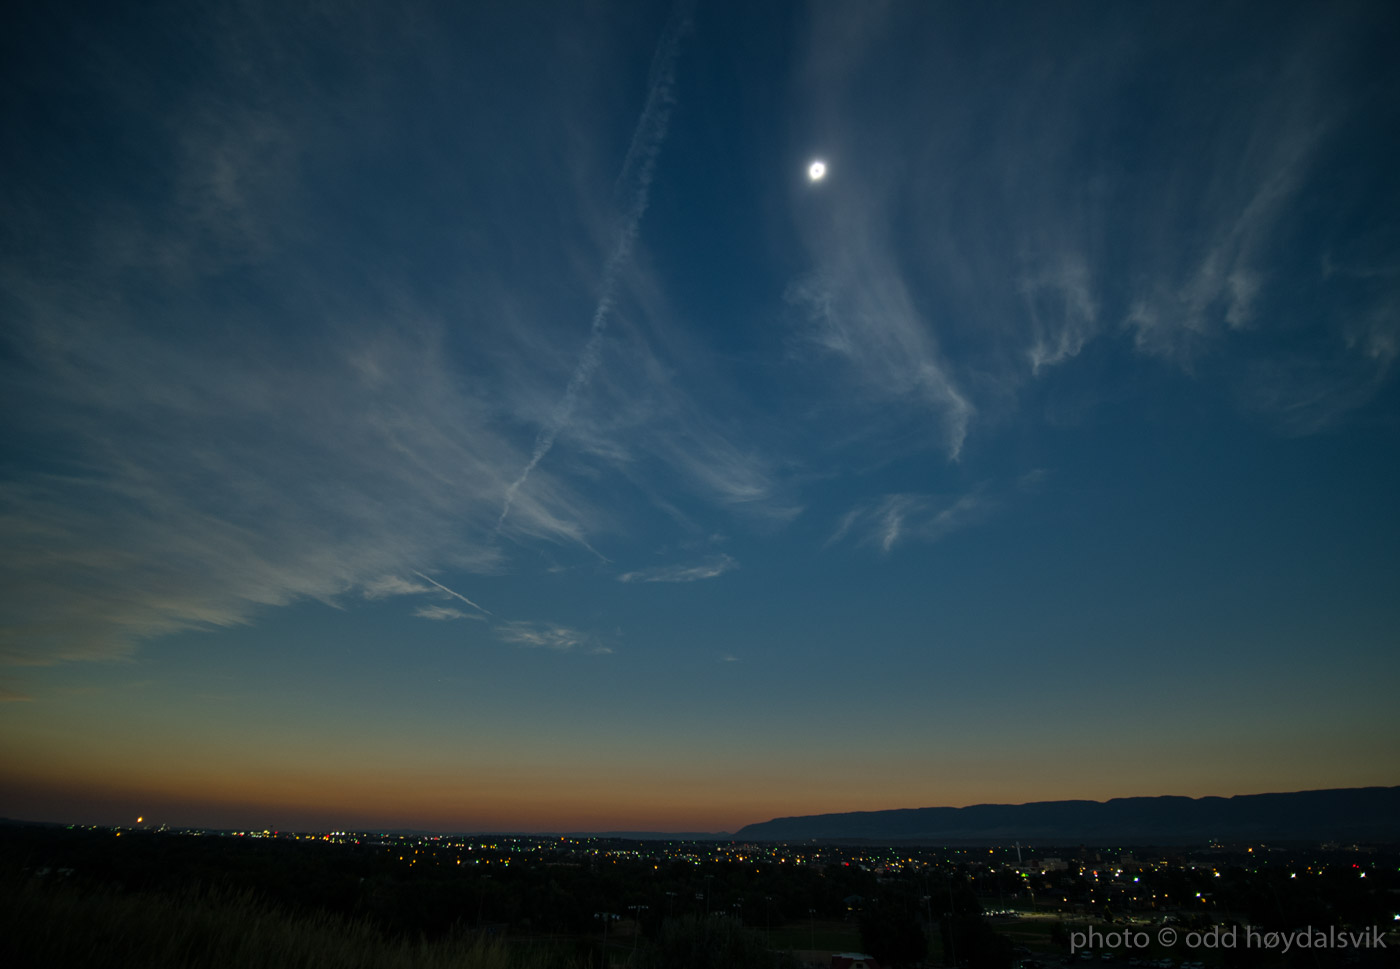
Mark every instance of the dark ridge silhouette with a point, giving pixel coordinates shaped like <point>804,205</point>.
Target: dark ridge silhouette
<point>1363,814</point>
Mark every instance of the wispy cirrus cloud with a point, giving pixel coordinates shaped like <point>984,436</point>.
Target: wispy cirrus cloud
<point>445,614</point>
<point>1067,184</point>
<point>1063,312</point>
<point>695,572</point>
<point>893,519</point>
<point>127,552</point>
<point>1222,283</point>
<point>862,312</point>
<point>217,408</point>
<point>544,635</point>
<point>393,585</point>
<point>195,454</point>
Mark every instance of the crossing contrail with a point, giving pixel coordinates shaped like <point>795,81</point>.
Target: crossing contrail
<point>638,169</point>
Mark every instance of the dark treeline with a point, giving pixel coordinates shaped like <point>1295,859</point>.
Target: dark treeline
<point>541,894</point>
<point>688,914</point>
<point>685,912</point>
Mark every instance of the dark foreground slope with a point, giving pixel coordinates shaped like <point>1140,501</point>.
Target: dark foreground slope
<point>1369,814</point>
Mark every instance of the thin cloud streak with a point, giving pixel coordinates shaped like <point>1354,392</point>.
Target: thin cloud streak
<point>392,585</point>
<point>683,573</point>
<point>546,636</point>
<point>865,315</point>
<point>896,518</point>
<point>444,614</point>
<point>1221,291</point>
<point>638,170</point>
<point>455,595</point>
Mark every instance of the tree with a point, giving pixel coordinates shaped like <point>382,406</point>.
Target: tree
<point>975,944</point>
<point>713,942</point>
<point>893,937</point>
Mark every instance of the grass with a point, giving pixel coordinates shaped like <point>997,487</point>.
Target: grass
<point>824,936</point>
<point>56,925</point>
<point>1034,934</point>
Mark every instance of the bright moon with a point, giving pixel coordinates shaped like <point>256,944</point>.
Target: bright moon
<point>816,171</point>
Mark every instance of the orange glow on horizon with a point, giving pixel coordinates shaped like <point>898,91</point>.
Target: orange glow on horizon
<point>367,802</point>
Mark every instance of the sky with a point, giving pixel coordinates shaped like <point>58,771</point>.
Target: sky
<point>472,417</point>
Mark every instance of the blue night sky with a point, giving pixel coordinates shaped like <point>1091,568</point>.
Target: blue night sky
<point>472,416</point>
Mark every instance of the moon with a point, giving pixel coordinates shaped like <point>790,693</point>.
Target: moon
<point>816,171</point>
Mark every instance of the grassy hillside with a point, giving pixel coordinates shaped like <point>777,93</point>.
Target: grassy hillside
<point>48,923</point>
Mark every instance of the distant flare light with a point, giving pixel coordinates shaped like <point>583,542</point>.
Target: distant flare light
<point>816,171</point>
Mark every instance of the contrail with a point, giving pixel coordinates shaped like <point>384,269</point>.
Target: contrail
<point>638,169</point>
<point>457,595</point>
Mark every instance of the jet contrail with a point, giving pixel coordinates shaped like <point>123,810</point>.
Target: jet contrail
<point>451,593</point>
<point>637,170</point>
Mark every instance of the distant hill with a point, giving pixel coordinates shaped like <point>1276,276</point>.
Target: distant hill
<point>655,835</point>
<point>1370,814</point>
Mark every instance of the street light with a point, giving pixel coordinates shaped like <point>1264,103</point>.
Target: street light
<point>606,917</point>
